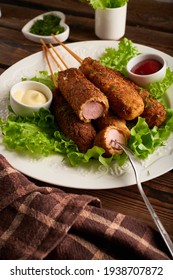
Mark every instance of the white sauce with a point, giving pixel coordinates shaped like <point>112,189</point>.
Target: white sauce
<point>30,97</point>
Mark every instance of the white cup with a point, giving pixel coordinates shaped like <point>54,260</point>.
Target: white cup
<point>110,23</point>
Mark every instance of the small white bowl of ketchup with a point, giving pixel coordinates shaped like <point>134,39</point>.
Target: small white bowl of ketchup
<point>146,68</point>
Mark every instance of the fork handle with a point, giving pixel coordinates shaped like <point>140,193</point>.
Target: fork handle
<point>152,212</point>
<point>157,221</point>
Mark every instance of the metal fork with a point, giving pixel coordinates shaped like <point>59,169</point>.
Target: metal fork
<point>135,164</point>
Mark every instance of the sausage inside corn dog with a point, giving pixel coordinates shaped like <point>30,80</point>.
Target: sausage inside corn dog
<point>83,134</point>
<point>111,119</point>
<point>111,129</point>
<point>83,96</point>
<point>107,139</point>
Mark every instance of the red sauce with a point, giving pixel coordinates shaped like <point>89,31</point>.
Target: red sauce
<point>147,67</point>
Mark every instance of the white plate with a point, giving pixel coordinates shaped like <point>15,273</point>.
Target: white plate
<point>47,39</point>
<point>53,169</point>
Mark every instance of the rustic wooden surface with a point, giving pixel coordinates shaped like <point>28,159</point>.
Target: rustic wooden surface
<point>149,23</point>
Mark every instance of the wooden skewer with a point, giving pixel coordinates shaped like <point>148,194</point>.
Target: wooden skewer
<point>47,49</point>
<point>50,68</point>
<point>70,51</point>
<point>66,66</point>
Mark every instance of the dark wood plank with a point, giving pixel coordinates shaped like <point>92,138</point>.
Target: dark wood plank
<point>150,13</point>
<point>159,15</point>
<point>15,47</point>
<point>1,70</point>
<point>12,13</point>
<point>74,7</point>
<point>162,41</point>
<point>22,47</point>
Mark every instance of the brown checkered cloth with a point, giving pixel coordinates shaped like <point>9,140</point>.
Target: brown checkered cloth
<point>47,223</point>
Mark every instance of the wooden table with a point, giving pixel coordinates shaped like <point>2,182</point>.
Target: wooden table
<point>149,23</point>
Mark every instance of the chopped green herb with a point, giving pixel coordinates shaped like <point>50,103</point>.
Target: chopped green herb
<point>50,24</point>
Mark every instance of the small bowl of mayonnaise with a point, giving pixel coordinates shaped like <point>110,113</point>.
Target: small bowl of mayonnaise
<point>29,96</point>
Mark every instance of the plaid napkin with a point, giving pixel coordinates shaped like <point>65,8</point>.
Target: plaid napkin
<point>47,223</point>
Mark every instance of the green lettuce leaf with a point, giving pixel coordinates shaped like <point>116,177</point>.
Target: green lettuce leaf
<point>102,4</point>
<point>43,77</point>
<point>143,140</point>
<point>35,135</point>
<point>118,58</point>
<point>158,89</point>
<point>38,135</point>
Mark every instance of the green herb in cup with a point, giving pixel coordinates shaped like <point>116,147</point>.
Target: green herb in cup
<point>48,25</point>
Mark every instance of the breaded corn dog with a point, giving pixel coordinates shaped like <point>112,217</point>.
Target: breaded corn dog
<point>111,119</point>
<point>83,134</point>
<point>123,98</point>
<point>107,139</point>
<point>84,97</point>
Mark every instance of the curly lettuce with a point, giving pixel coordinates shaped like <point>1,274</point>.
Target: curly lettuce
<point>118,58</point>
<point>43,77</point>
<point>36,135</point>
<point>39,136</point>
<point>158,89</point>
<point>103,4</point>
<point>143,140</point>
